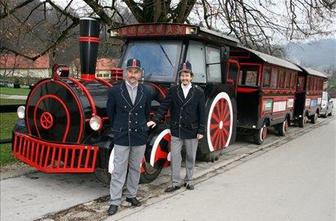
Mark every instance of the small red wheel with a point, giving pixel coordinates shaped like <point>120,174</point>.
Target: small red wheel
<point>220,120</point>
<point>46,120</point>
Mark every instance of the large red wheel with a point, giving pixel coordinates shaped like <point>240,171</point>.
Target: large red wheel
<point>220,122</point>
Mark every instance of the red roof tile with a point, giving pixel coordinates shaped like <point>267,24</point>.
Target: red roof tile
<point>10,61</point>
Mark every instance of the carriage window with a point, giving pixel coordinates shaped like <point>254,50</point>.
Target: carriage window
<point>248,76</point>
<point>213,64</point>
<point>196,57</point>
<point>288,79</point>
<point>233,72</point>
<point>267,77</point>
<point>274,77</point>
<point>293,77</point>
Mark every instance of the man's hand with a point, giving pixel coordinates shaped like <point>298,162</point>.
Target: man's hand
<point>199,136</point>
<point>151,124</point>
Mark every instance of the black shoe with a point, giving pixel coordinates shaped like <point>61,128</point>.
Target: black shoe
<point>172,189</point>
<point>112,210</point>
<point>189,186</point>
<point>133,201</point>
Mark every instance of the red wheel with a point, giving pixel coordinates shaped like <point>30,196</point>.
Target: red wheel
<point>219,124</point>
<point>161,148</point>
<point>260,135</point>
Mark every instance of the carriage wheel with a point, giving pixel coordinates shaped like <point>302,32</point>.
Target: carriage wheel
<point>303,120</point>
<point>158,157</point>
<point>313,118</point>
<point>283,128</point>
<point>220,122</point>
<point>260,135</point>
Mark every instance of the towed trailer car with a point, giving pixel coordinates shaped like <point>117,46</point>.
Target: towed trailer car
<point>265,92</point>
<point>308,96</point>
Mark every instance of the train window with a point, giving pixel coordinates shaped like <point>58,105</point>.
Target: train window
<point>196,57</point>
<point>288,79</point>
<point>282,77</point>
<point>293,77</point>
<point>267,77</point>
<point>213,64</point>
<point>159,59</point>
<point>274,78</point>
<point>248,76</point>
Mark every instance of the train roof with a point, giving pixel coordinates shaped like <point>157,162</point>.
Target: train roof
<point>272,59</point>
<point>313,72</point>
<point>159,30</point>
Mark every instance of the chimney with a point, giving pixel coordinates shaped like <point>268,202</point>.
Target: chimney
<point>89,41</point>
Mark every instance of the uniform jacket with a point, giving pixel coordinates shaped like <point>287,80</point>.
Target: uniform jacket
<point>187,114</point>
<point>128,122</point>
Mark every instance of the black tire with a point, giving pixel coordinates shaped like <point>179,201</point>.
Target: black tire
<point>313,119</point>
<point>282,128</point>
<point>150,173</point>
<point>260,135</point>
<point>330,114</point>
<point>103,176</point>
<point>303,120</point>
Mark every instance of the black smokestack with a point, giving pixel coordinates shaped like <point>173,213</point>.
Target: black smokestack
<point>89,41</point>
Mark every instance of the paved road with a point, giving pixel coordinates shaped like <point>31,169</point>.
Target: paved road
<point>293,182</point>
<point>35,195</point>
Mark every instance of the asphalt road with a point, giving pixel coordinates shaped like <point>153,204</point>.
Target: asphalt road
<point>295,181</point>
<point>72,196</point>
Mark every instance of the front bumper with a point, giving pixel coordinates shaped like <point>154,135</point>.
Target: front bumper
<point>51,157</point>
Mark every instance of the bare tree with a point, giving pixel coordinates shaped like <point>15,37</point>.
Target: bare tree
<point>256,23</point>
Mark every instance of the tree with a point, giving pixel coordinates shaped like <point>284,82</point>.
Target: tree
<point>256,23</point>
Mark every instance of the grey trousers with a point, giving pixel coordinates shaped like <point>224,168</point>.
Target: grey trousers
<point>176,158</point>
<point>125,157</point>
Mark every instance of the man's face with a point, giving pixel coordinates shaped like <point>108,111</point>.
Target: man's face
<point>133,75</point>
<point>185,77</point>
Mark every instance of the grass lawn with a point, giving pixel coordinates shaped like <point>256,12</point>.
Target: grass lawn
<point>6,156</point>
<point>14,91</point>
<point>7,121</point>
<point>11,101</point>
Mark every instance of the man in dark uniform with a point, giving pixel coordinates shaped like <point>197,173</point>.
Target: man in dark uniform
<point>128,108</point>
<point>186,104</point>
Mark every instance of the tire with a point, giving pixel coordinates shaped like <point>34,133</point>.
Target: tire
<point>260,135</point>
<point>282,128</point>
<point>313,119</point>
<point>303,120</point>
<point>103,176</point>
<point>149,173</point>
<point>219,127</point>
<point>219,122</point>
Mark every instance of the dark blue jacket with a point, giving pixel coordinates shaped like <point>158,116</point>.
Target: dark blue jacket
<point>187,114</point>
<point>128,121</point>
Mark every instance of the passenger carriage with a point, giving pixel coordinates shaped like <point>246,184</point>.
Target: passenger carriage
<point>266,88</point>
<point>308,96</point>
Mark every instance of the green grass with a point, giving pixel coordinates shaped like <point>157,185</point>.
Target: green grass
<point>11,101</point>
<point>14,91</point>
<point>6,156</point>
<point>7,122</point>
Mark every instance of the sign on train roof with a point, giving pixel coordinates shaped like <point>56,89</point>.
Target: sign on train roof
<point>171,30</point>
<point>273,60</point>
<point>313,72</point>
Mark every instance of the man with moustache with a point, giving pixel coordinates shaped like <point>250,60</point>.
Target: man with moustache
<point>186,104</point>
<point>128,108</point>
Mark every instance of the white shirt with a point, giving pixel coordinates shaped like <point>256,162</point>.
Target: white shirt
<point>186,89</point>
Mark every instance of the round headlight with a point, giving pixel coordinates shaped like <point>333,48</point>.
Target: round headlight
<point>21,112</point>
<point>96,123</point>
